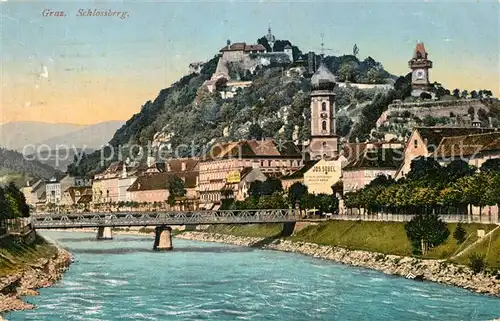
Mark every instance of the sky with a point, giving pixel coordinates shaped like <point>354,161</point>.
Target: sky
<point>85,70</point>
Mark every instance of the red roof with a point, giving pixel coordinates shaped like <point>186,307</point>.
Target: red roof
<point>241,46</point>
<point>420,49</point>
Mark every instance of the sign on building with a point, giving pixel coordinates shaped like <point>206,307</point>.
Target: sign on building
<point>233,177</point>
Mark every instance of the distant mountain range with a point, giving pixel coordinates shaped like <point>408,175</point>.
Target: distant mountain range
<point>16,135</point>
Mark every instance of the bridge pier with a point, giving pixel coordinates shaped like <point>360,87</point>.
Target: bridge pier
<point>163,238</point>
<point>104,233</point>
<point>288,229</point>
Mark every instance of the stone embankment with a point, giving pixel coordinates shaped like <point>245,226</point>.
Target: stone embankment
<point>431,270</point>
<point>40,274</point>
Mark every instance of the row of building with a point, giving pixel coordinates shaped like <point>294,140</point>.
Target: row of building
<point>229,168</point>
<point>235,165</point>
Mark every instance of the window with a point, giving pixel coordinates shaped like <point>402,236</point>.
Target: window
<point>324,144</point>
<point>323,106</point>
<point>323,125</point>
<point>415,143</point>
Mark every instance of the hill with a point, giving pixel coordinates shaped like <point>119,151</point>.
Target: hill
<point>276,104</point>
<point>16,135</point>
<point>14,166</point>
<point>90,137</point>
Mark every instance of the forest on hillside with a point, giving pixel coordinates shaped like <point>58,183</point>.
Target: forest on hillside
<point>275,105</point>
<point>15,165</point>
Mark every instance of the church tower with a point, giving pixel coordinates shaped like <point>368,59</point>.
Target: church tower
<point>324,141</point>
<point>420,66</point>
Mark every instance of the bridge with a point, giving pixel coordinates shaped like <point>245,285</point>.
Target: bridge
<point>105,221</point>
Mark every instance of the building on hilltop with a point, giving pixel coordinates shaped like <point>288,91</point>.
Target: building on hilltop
<point>420,65</point>
<point>271,39</point>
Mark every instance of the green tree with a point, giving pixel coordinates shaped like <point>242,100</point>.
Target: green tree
<point>20,208</point>
<point>296,192</point>
<point>491,165</point>
<point>459,233</point>
<point>426,231</point>
<point>355,50</point>
<point>347,72</point>
<point>464,94</point>
<point>456,93</point>
<point>255,132</point>
<point>477,262</point>
<point>271,186</point>
<point>176,188</point>
<point>375,76</point>
<point>326,203</point>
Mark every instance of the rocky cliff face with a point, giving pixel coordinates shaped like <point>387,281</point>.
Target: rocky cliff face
<point>431,270</point>
<point>41,274</point>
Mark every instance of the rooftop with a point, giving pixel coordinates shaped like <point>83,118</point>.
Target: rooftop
<point>432,136</point>
<point>468,145</point>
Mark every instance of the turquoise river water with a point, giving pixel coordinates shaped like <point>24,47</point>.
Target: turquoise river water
<point>124,279</point>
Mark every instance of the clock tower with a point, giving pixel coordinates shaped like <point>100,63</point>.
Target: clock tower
<point>324,141</point>
<point>420,66</point>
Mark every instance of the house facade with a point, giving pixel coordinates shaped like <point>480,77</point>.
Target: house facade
<point>55,187</point>
<point>424,141</point>
<point>267,155</point>
<point>377,159</point>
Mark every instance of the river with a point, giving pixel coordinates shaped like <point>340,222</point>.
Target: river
<point>124,279</point>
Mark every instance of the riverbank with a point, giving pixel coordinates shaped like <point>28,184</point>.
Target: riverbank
<point>27,267</point>
<point>424,269</point>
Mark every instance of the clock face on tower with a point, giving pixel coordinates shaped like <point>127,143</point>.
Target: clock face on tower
<point>420,74</point>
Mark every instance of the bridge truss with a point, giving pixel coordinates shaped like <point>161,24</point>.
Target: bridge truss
<point>127,219</point>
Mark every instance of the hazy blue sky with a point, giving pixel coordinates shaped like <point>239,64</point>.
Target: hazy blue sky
<point>103,68</point>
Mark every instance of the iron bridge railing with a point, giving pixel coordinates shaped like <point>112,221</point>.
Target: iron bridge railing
<point>48,221</point>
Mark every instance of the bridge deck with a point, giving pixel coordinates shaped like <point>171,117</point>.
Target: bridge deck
<point>125,219</point>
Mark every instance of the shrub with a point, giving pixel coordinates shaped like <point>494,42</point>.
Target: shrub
<point>459,233</point>
<point>477,262</point>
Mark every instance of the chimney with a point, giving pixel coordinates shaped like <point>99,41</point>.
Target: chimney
<point>183,166</point>
<point>27,183</point>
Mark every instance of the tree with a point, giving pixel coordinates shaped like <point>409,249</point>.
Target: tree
<point>374,76</point>
<point>19,202</point>
<point>221,84</point>
<point>459,233</point>
<point>296,192</point>
<point>456,93</point>
<point>464,94</point>
<point>457,169</point>
<point>477,262</point>
<point>355,50</point>
<point>271,186</point>
<point>326,203</point>
<point>426,231</point>
<point>424,95</point>
<point>255,132</point>
<point>347,72</point>
<point>491,165</point>
<point>474,94</point>
<point>176,188</point>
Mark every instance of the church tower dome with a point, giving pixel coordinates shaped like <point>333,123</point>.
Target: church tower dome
<point>323,79</point>
<point>324,140</point>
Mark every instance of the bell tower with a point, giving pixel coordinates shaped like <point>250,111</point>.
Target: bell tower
<point>420,66</point>
<point>324,141</point>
